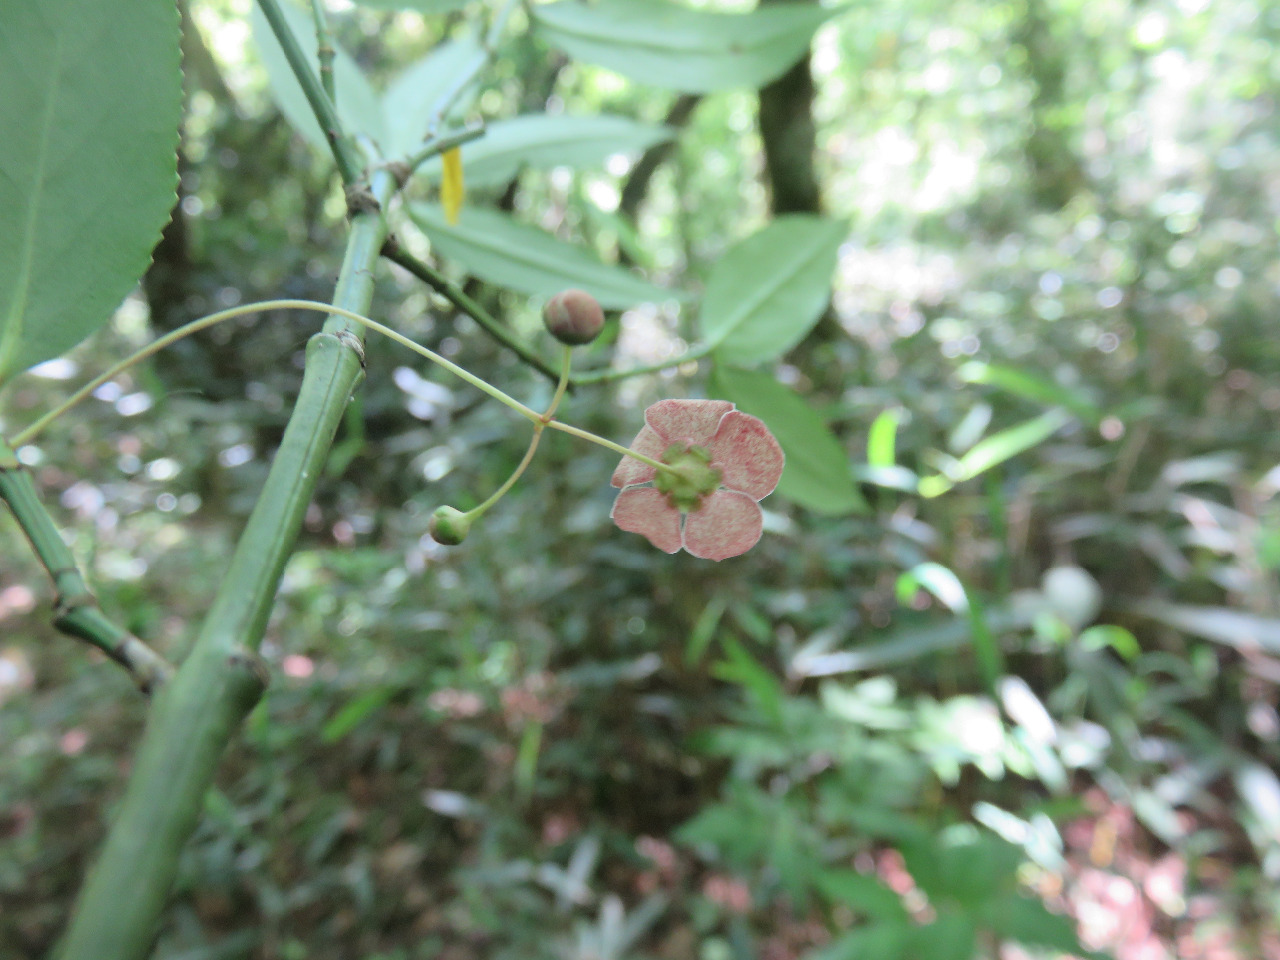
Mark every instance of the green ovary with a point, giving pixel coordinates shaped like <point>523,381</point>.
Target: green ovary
<point>691,480</point>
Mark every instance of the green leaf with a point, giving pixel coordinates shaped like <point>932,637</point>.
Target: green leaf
<point>863,892</point>
<point>1029,923</point>
<point>409,105</point>
<point>89,109</point>
<point>817,474</point>
<point>664,45</point>
<point>542,140</point>
<point>1235,628</point>
<point>769,290</point>
<point>995,450</point>
<point>1030,386</point>
<point>358,106</point>
<point>501,250</point>
<point>356,710</point>
<point>936,579</point>
<point>882,439</point>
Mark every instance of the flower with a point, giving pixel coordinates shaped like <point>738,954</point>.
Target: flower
<point>726,461</point>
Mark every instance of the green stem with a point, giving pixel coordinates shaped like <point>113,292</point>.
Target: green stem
<point>610,445</point>
<point>456,296</point>
<point>75,608</point>
<point>195,326</point>
<point>438,145</point>
<point>195,715</point>
<point>344,154</point>
<point>324,50</point>
<point>603,376</point>
<point>547,415</point>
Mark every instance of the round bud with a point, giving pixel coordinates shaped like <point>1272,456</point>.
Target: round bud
<point>448,526</point>
<point>573,317</point>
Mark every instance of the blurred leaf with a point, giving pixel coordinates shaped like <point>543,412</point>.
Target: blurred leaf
<point>355,712</point>
<point>503,251</point>
<point>1245,631</point>
<point>995,450</point>
<point>865,893</point>
<point>92,95</point>
<point>409,104</point>
<point>1032,387</point>
<point>743,669</point>
<point>767,292</point>
<point>879,941</point>
<point>817,474</point>
<point>704,629</point>
<point>1117,638</point>
<point>882,439</point>
<point>1029,922</point>
<point>938,580</point>
<point>358,106</point>
<point>544,140</point>
<point>661,44</point>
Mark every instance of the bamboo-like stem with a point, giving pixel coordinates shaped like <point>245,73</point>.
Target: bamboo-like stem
<point>344,153</point>
<point>442,285</point>
<point>195,714</point>
<point>695,352</point>
<point>324,50</point>
<point>75,610</point>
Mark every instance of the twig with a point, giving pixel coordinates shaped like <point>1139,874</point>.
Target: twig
<point>344,153</point>
<point>697,351</point>
<point>75,610</point>
<point>324,50</point>
<point>455,295</point>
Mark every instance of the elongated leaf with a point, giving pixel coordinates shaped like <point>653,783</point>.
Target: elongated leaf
<point>409,105</point>
<point>769,290</point>
<point>817,474</point>
<point>996,449</point>
<point>541,140</point>
<point>1032,387</point>
<point>882,439</point>
<point>357,105</point>
<point>664,45</point>
<point>501,250</point>
<point>90,97</point>
<point>1236,628</point>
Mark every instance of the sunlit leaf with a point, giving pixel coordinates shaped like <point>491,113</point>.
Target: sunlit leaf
<point>882,439</point>
<point>995,450</point>
<point>90,97</point>
<point>661,44</point>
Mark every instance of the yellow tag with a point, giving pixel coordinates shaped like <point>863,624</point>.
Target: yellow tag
<point>451,189</point>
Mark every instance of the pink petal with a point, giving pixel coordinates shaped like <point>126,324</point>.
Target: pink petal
<point>645,510</point>
<point>631,470</point>
<point>686,421</point>
<point>748,456</point>
<point>725,525</point>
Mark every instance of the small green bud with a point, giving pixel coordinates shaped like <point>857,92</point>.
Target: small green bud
<point>448,526</point>
<point>573,317</point>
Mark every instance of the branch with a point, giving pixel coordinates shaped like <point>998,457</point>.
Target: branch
<point>196,713</point>
<point>696,352</point>
<point>75,611</point>
<point>344,154</point>
<point>455,295</point>
<point>324,50</point>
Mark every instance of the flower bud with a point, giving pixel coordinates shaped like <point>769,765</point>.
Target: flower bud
<point>573,317</point>
<point>448,526</point>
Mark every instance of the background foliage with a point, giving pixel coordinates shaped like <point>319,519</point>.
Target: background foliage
<point>1006,655</point>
